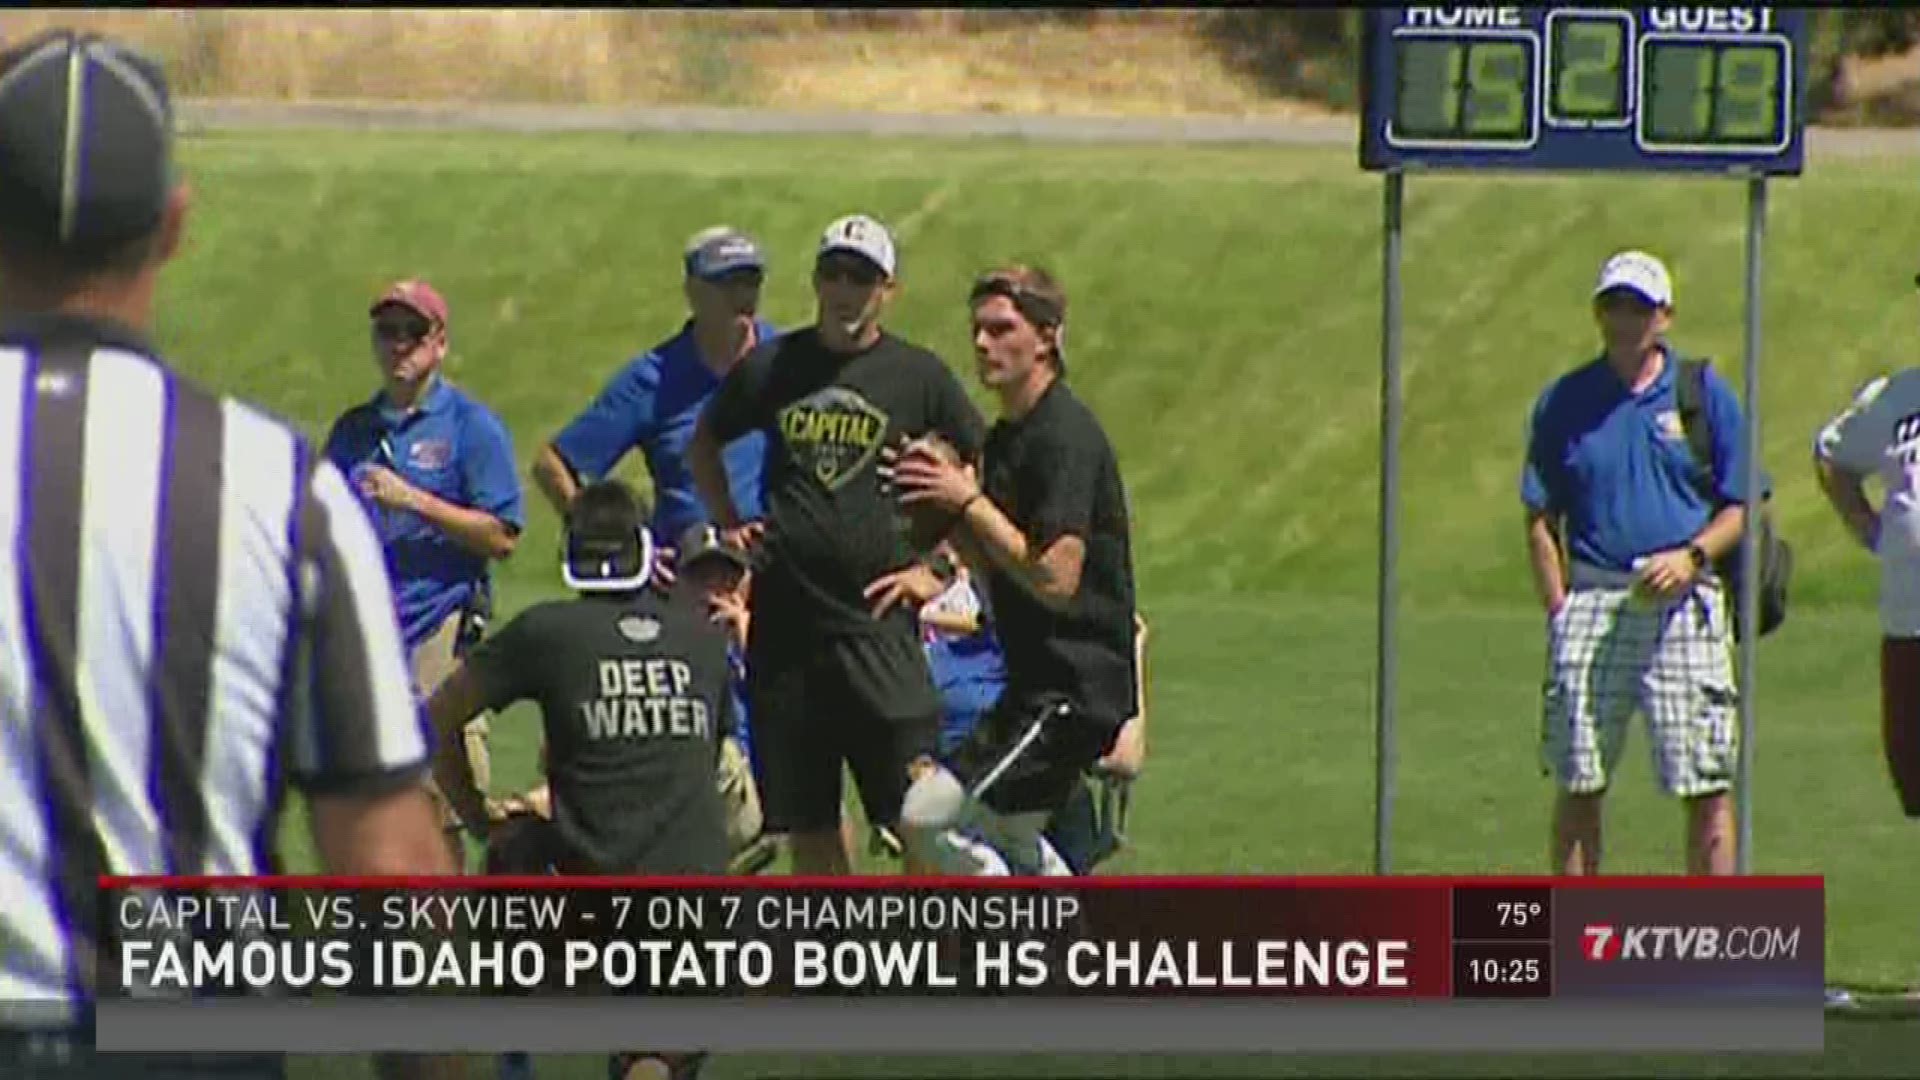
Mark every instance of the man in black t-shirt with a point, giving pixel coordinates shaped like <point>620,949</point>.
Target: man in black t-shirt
<point>633,696</point>
<point>1049,530</point>
<point>829,681</point>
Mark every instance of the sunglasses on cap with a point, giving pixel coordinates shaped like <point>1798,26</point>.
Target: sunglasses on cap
<point>1039,310</point>
<point>607,564</point>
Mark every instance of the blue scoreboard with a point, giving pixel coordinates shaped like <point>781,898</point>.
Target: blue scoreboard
<point>1590,87</point>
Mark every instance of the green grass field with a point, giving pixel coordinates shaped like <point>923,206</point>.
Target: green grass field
<point>1226,322</point>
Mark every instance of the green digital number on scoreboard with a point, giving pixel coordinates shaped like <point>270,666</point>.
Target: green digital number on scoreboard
<point>1698,92</point>
<point>1466,91</point>
<point>1587,66</point>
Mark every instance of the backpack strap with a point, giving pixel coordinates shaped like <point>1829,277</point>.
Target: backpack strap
<point>1690,393</point>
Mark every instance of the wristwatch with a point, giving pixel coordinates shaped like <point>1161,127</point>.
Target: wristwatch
<point>1699,556</point>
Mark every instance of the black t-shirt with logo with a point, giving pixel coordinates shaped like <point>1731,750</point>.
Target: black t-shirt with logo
<point>832,528</point>
<point>633,693</point>
<point>1054,473</point>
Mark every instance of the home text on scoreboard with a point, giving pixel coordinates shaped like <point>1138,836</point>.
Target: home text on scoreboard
<point>1584,87</point>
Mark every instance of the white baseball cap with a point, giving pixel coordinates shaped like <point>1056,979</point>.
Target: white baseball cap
<point>1640,272</point>
<point>863,236</point>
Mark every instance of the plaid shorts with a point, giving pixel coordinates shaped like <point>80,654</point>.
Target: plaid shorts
<point>1608,653</point>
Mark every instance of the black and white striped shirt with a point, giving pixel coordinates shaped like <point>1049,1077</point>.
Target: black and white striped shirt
<point>193,613</point>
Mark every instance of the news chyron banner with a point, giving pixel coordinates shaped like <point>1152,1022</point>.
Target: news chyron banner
<point>890,965</point>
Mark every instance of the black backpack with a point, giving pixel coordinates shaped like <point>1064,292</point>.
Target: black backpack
<point>1776,555</point>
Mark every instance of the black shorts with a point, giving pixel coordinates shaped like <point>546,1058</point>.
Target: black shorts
<point>865,700</point>
<point>1028,755</point>
<point>530,845</point>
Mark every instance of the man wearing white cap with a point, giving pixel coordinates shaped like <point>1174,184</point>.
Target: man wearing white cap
<point>830,683</point>
<point>1623,536</point>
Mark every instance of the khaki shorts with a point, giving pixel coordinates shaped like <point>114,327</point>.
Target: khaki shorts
<point>432,661</point>
<point>742,798</point>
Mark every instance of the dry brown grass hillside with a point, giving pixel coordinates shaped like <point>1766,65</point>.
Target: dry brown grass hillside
<point>1106,62</point>
<point>1218,62</point>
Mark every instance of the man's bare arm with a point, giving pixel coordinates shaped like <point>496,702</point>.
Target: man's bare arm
<point>391,834</point>
<point>1052,575</point>
<point>1847,494</point>
<point>456,701</point>
<point>950,622</point>
<point>1544,558</point>
<point>1722,534</point>
<point>709,471</point>
<point>476,530</point>
<point>555,479</point>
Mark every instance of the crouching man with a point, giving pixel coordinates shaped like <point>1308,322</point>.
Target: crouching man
<point>634,697</point>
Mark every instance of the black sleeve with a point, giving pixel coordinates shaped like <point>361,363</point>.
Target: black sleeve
<point>739,405</point>
<point>953,415</point>
<point>1059,482</point>
<point>503,664</point>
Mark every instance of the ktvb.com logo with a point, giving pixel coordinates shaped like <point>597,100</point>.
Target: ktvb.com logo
<point>1607,943</point>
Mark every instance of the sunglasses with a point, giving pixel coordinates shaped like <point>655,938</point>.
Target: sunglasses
<point>855,271</point>
<point>736,279</point>
<point>402,329</point>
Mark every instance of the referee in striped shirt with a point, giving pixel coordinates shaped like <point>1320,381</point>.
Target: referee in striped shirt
<point>193,608</point>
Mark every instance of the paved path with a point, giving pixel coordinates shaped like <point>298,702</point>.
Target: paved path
<point>204,114</point>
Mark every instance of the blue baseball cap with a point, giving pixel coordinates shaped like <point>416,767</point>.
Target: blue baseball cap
<point>722,250</point>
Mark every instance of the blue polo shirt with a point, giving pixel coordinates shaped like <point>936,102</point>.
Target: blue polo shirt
<point>1617,466</point>
<point>737,689</point>
<point>653,404</point>
<point>452,446</point>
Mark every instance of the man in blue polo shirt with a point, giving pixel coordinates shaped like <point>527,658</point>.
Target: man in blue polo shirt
<point>435,469</point>
<point>653,402</point>
<point>1622,546</point>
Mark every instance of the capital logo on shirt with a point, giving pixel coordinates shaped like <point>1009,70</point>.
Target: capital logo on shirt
<point>430,454</point>
<point>1670,425</point>
<point>833,434</point>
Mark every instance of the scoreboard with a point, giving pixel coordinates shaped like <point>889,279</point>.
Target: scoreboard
<point>1584,88</point>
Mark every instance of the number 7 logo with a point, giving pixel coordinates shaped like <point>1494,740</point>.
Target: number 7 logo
<point>1599,941</point>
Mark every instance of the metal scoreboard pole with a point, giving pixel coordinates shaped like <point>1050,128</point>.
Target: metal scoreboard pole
<point>1386,668</point>
<point>1749,536</point>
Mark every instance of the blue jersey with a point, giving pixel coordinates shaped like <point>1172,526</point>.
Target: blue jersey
<point>1617,465</point>
<point>453,447</point>
<point>742,731</point>
<point>653,404</point>
<point>969,670</point>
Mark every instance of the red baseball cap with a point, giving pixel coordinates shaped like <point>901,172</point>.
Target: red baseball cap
<point>416,295</point>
